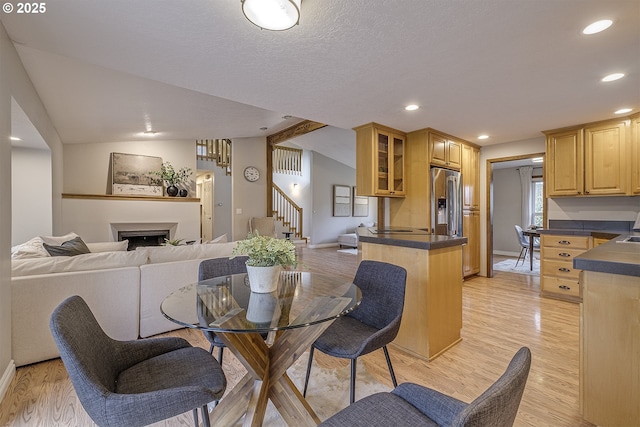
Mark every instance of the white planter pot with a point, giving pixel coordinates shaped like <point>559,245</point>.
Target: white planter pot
<point>263,280</point>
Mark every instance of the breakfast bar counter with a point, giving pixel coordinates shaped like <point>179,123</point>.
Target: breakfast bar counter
<point>432,316</point>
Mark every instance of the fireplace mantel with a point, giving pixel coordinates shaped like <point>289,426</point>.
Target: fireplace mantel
<point>129,197</point>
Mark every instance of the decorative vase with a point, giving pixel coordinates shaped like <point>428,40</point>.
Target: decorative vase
<point>263,280</point>
<point>183,192</point>
<point>172,191</point>
<point>261,308</point>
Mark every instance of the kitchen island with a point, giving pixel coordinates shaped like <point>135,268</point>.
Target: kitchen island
<point>432,316</point>
<point>610,333</point>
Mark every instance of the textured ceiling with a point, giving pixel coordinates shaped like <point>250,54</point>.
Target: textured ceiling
<point>107,70</point>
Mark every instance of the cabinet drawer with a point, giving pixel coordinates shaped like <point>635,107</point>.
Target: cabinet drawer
<point>560,254</point>
<point>573,242</point>
<point>560,286</point>
<point>559,269</point>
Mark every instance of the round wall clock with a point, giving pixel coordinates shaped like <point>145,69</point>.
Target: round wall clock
<point>251,173</point>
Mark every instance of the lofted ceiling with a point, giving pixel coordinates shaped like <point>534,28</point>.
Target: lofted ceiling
<point>108,70</point>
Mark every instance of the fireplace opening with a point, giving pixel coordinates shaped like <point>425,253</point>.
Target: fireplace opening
<point>138,238</point>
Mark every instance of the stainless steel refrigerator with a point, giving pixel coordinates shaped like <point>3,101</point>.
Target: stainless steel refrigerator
<point>446,202</point>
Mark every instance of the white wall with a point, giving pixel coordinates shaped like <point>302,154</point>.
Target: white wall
<point>14,82</point>
<point>326,173</point>
<point>594,208</point>
<point>507,210</point>
<point>31,194</point>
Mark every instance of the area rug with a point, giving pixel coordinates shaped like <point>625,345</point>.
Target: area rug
<point>328,390</point>
<point>352,251</point>
<point>522,268</point>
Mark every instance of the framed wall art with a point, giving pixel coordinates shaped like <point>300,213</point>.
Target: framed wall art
<point>134,174</point>
<point>341,200</point>
<point>360,204</point>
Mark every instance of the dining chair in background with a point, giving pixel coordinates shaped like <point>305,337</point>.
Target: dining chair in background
<point>524,245</point>
<point>372,325</point>
<point>216,267</point>
<point>133,383</point>
<point>415,405</point>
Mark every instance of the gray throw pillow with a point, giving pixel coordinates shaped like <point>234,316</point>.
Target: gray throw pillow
<point>71,247</point>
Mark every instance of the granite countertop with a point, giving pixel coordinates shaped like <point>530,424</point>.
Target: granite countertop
<point>410,237</point>
<point>603,234</point>
<point>615,257</point>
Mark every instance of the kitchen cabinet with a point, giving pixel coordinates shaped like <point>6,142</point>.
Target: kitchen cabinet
<point>380,161</point>
<point>588,160</point>
<point>471,251</point>
<point>558,278</point>
<point>635,154</point>
<point>470,177</point>
<point>445,151</point>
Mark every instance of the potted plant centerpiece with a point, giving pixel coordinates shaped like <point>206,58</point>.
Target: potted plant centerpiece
<point>267,256</point>
<point>173,178</point>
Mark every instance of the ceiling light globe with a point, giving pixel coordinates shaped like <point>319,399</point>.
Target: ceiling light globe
<point>597,26</point>
<point>275,15</point>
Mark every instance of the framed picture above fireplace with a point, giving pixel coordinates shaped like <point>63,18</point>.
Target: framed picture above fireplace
<point>133,174</point>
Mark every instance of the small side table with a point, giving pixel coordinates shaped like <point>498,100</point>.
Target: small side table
<point>287,234</point>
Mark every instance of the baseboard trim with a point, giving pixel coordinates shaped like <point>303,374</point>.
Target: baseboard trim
<point>506,253</point>
<point>323,245</point>
<point>7,376</point>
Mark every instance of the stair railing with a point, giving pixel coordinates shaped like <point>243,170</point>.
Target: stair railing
<point>287,211</point>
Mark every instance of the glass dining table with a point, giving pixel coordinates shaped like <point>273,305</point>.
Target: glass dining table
<point>291,318</point>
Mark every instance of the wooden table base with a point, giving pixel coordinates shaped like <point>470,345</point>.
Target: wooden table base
<point>266,376</point>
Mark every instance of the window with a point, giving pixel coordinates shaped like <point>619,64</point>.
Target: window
<point>537,195</point>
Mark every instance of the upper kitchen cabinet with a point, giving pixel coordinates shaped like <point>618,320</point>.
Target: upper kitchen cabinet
<point>446,152</point>
<point>380,161</point>
<point>588,160</point>
<point>470,177</point>
<point>635,154</point>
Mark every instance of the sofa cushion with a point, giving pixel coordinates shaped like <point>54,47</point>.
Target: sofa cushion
<point>108,246</point>
<point>158,254</point>
<point>84,262</point>
<point>34,249</point>
<point>71,247</point>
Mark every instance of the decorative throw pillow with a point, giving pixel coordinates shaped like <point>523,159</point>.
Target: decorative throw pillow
<point>30,249</point>
<point>108,246</point>
<point>219,239</point>
<point>71,247</point>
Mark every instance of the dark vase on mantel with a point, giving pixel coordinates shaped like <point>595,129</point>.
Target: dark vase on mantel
<point>172,191</point>
<point>183,192</point>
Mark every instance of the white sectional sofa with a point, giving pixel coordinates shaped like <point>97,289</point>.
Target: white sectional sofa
<point>124,290</point>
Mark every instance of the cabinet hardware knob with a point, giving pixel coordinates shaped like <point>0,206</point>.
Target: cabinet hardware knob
<point>567,288</point>
<point>564,254</point>
<point>564,242</point>
<point>565,270</point>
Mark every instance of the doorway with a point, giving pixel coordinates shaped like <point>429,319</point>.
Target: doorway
<point>504,209</point>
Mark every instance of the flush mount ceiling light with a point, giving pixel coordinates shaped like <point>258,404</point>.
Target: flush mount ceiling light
<point>623,111</point>
<point>275,15</point>
<point>613,77</point>
<point>597,26</point>
<point>411,107</point>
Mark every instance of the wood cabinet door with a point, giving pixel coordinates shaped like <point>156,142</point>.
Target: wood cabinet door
<point>470,169</point>
<point>438,146</point>
<point>471,251</point>
<point>564,172</point>
<point>397,179</point>
<point>454,155</point>
<point>605,169</point>
<point>635,154</point>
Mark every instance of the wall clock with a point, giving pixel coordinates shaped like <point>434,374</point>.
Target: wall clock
<point>251,173</point>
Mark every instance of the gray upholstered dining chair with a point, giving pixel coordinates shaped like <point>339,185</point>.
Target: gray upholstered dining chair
<point>133,383</point>
<point>414,405</point>
<point>216,267</point>
<point>372,325</point>
<point>524,244</point>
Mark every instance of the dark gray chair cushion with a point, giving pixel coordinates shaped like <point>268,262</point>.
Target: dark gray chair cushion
<point>132,383</point>
<point>414,405</point>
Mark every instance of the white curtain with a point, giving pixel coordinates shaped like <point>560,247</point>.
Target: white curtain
<point>525,183</point>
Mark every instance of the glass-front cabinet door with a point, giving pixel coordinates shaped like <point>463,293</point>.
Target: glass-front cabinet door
<point>380,159</point>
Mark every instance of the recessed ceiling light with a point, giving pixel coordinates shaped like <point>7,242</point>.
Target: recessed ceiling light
<point>612,77</point>
<point>264,128</point>
<point>150,133</point>
<point>623,111</point>
<point>483,137</point>
<point>597,26</point>
<point>15,138</point>
<point>287,117</point>
<point>411,107</point>
<point>537,160</point>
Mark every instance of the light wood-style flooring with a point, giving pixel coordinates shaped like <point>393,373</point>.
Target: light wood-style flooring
<point>500,315</point>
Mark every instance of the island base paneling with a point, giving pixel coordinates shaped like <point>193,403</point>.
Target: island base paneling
<point>432,316</point>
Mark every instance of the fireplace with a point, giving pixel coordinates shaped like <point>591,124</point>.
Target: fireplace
<point>143,238</point>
